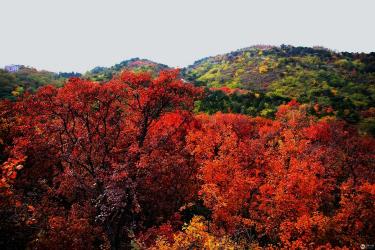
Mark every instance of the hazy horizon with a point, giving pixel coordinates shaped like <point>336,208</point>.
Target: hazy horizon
<point>79,35</point>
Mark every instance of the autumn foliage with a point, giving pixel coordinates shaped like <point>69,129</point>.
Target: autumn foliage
<point>127,164</point>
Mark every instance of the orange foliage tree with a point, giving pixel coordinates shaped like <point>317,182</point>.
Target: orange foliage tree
<point>126,163</point>
<point>116,150</point>
<point>292,182</point>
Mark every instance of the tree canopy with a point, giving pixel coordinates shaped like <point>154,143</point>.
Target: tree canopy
<point>129,164</point>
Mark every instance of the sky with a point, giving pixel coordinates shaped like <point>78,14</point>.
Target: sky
<point>77,35</point>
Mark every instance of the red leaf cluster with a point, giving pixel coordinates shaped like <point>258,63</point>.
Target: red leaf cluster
<point>127,163</point>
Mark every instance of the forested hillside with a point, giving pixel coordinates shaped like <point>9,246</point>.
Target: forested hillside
<point>26,79</point>
<point>101,74</point>
<point>338,84</point>
<point>252,81</point>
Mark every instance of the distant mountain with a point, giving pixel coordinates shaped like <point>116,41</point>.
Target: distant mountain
<point>101,74</point>
<point>252,81</point>
<point>17,79</point>
<point>258,67</point>
<point>344,82</point>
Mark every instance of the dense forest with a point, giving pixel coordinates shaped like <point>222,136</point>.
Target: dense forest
<point>27,79</point>
<point>252,81</point>
<point>102,74</point>
<point>331,83</point>
<point>262,148</point>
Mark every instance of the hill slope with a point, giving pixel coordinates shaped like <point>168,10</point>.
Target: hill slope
<point>258,67</point>
<point>27,79</point>
<point>344,82</point>
<point>252,81</point>
<point>101,74</point>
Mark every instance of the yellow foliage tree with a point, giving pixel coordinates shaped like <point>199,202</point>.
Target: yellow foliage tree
<point>195,236</point>
<point>263,69</point>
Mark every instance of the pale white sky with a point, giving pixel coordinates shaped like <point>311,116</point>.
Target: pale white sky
<point>77,35</point>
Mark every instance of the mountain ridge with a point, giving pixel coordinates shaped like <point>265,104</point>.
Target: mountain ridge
<point>254,80</point>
